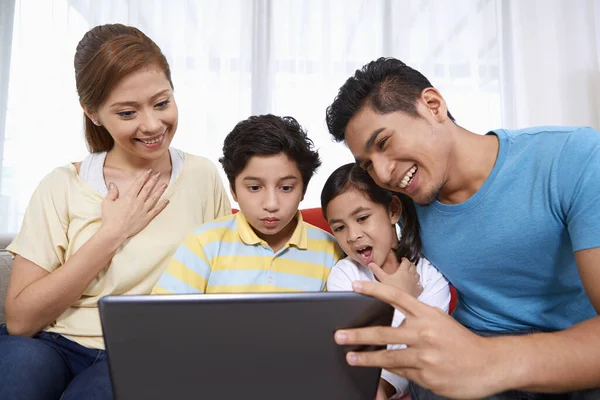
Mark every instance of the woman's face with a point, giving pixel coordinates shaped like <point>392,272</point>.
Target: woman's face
<point>140,114</point>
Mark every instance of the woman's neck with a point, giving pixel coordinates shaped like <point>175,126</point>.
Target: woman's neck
<point>131,165</point>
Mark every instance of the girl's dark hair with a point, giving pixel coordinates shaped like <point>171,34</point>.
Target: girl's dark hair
<point>351,176</point>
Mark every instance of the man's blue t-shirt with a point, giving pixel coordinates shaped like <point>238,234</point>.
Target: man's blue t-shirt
<point>509,249</point>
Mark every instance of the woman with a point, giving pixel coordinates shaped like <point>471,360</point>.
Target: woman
<point>105,226</point>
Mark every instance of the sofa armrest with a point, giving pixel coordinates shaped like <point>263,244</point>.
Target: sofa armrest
<point>5,266</point>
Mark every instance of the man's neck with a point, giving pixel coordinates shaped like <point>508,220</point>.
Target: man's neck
<point>471,161</point>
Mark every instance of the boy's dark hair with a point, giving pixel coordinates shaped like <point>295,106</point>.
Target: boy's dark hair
<point>265,135</point>
<point>386,84</point>
<point>351,176</point>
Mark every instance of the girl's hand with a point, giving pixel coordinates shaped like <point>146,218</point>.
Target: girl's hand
<point>406,277</point>
<point>127,215</point>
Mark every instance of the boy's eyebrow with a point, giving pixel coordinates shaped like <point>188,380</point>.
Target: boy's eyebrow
<point>356,211</point>
<point>133,103</point>
<point>255,178</point>
<point>251,178</point>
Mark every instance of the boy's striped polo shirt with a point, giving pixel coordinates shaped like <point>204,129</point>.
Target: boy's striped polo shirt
<point>226,256</point>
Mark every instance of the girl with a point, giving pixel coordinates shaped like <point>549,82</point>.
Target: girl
<point>105,226</point>
<point>363,219</point>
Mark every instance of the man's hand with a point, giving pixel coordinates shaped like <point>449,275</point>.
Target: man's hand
<point>441,354</point>
<point>406,277</point>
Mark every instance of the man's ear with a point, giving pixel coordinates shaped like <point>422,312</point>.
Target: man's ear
<point>232,191</point>
<point>435,104</point>
<point>395,210</point>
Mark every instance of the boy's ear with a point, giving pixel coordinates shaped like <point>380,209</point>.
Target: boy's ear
<point>395,210</point>
<point>232,191</point>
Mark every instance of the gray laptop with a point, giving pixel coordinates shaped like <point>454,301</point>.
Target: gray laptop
<point>242,346</point>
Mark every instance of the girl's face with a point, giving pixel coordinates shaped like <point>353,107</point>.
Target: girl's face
<point>141,115</point>
<point>364,229</point>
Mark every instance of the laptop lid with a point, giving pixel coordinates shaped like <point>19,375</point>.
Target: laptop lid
<point>241,346</point>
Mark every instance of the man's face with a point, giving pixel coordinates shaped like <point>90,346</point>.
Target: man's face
<point>402,153</point>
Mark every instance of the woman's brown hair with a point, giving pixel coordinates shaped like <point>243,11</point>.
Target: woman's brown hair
<point>104,56</point>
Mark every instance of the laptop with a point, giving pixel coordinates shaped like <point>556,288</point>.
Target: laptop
<point>238,346</point>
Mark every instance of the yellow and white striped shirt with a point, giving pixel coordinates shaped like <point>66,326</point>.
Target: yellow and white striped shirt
<point>226,256</point>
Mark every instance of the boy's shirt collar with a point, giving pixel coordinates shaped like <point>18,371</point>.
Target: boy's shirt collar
<point>298,239</point>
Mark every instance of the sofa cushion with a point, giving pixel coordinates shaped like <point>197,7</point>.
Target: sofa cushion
<point>314,216</point>
<point>5,264</point>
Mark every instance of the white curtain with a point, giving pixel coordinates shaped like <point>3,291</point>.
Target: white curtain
<point>7,9</point>
<point>550,62</point>
<point>234,58</point>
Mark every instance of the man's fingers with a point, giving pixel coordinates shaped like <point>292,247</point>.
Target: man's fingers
<point>412,374</point>
<point>387,359</point>
<point>398,298</point>
<point>375,335</point>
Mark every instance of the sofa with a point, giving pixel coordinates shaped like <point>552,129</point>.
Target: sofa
<point>5,264</point>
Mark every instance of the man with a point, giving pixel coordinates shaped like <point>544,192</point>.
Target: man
<point>511,218</point>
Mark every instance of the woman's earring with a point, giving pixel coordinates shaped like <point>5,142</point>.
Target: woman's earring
<point>96,122</point>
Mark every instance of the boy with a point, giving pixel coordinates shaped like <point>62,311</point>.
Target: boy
<point>266,247</point>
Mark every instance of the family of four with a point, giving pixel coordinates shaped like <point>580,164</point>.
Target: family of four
<point>510,218</point>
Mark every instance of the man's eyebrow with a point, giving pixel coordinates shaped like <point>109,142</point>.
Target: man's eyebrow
<point>372,139</point>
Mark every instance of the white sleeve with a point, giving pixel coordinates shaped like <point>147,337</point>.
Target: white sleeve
<point>398,382</point>
<point>436,291</point>
<point>341,277</point>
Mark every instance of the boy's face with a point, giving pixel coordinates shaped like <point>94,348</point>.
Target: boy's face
<point>268,192</point>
